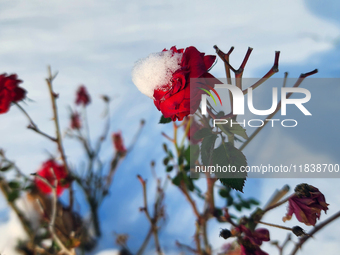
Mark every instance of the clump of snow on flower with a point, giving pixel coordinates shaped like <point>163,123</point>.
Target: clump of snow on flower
<point>155,71</point>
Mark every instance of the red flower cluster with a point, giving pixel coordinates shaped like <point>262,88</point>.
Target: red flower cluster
<point>83,96</point>
<point>75,120</point>
<point>118,143</point>
<point>10,91</point>
<point>306,204</point>
<point>250,242</point>
<point>45,172</point>
<point>173,99</point>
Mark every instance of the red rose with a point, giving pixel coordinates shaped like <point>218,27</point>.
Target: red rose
<point>173,99</point>
<point>118,142</point>
<point>75,120</point>
<point>10,91</point>
<point>83,96</point>
<point>45,172</point>
<point>306,204</point>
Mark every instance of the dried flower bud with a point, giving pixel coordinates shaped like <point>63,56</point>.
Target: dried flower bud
<point>298,231</point>
<point>225,233</point>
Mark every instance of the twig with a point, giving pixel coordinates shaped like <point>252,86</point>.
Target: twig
<point>54,96</point>
<point>270,116</point>
<point>145,242</point>
<point>153,221</point>
<point>187,247</point>
<point>54,213</point>
<point>288,238</point>
<point>274,225</point>
<point>313,231</point>
<point>33,126</point>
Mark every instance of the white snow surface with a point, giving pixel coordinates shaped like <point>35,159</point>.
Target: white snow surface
<point>155,71</point>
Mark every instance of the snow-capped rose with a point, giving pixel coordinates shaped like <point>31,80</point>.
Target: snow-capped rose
<point>165,77</point>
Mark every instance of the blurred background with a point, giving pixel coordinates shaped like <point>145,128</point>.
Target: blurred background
<point>96,43</point>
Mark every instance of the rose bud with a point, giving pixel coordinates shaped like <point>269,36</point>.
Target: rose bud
<point>118,143</point>
<point>306,204</point>
<point>10,91</point>
<point>46,172</point>
<point>225,233</point>
<point>165,77</point>
<point>298,231</point>
<point>75,120</point>
<point>82,96</point>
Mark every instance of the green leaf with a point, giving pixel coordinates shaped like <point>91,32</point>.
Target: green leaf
<point>230,201</point>
<point>13,195</point>
<point>164,120</point>
<point>169,168</point>
<point>229,156</point>
<point>177,179</point>
<point>14,185</point>
<point>235,183</point>
<point>191,153</point>
<point>6,168</point>
<point>235,129</point>
<point>224,193</point>
<point>207,148</point>
<point>245,204</point>
<point>238,207</point>
<point>201,133</point>
<point>166,161</point>
<point>253,201</point>
<point>188,182</point>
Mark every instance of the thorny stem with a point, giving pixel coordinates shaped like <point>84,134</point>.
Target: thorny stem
<point>153,221</point>
<point>313,231</point>
<point>270,116</point>
<point>238,75</point>
<point>187,247</point>
<point>54,213</point>
<point>33,126</point>
<point>274,225</point>
<point>277,204</point>
<point>54,96</point>
<point>145,243</point>
<point>288,238</point>
<point>270,73</point>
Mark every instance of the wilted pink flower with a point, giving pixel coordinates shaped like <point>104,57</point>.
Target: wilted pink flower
<point>250,241</point>
<point>306,204</point>
<point>118,142</point>
<point>83,96</point>
<point>75,120</point>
